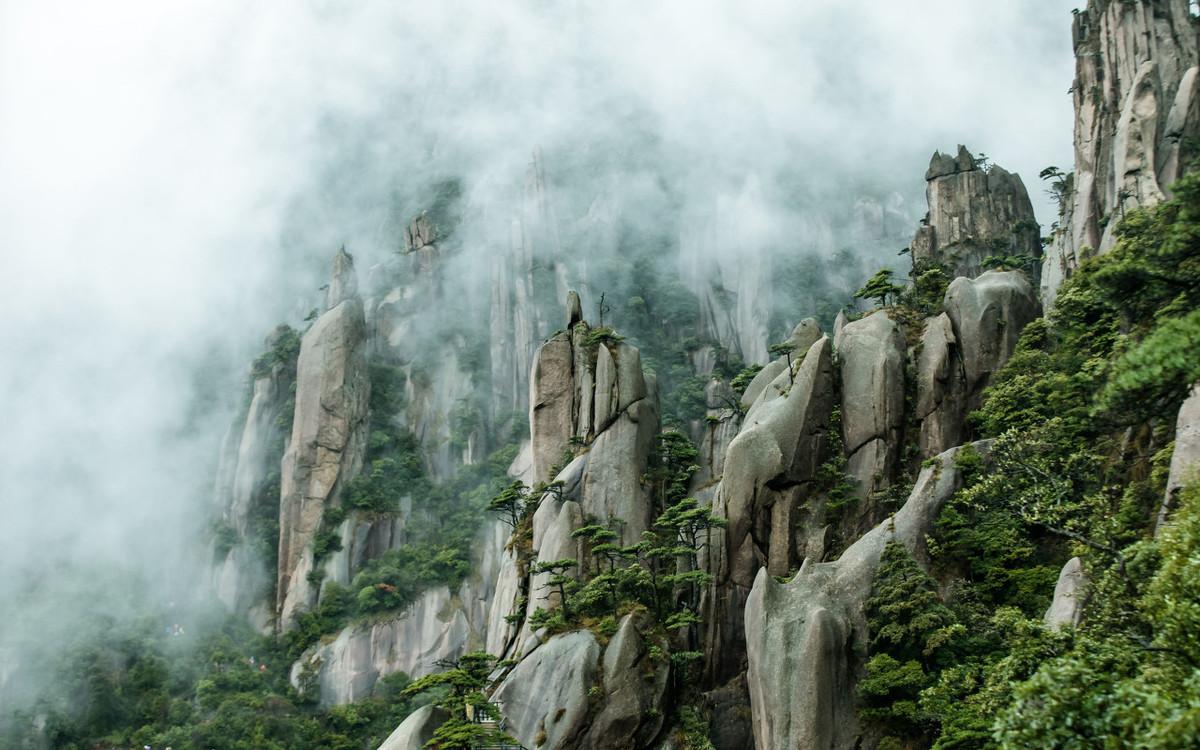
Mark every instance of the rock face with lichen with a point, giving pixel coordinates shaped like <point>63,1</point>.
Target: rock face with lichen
<point>1137,117</point>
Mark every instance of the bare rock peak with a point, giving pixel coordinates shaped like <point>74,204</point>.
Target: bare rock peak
<point>343,281</point>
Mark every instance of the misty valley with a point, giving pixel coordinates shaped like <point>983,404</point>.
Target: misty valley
<point>520,397</point>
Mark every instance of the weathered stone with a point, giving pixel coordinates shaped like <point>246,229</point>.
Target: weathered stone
<point>346,669</point>
<point>343,282</point>
<point>773,460</point>
<point>633,689</point>
<point>731,726</point>
<point>574,309</point>
<point>328,439</point>
<point>416,730</point>
<point>551,417</point>
<point>545,697</point>
<point>802,637</point>
<point>974,214</point>
<point>872,358</point>
<point>612,478</point>
<point>1185,461</point>
<point>1067,607</point>
<point>988,314</point>
<point>1136,123</point>
<point>941,388</point>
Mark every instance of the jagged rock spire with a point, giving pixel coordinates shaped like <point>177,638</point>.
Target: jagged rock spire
<point>343,282</point>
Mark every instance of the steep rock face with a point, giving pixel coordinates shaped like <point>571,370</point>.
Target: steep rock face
<point>328,433</point>
<point>1185,460</point>
<point>416,730</point>
<point>528,281</point>
<point>974,213</point>
<point>633,689</point>
<point>248,484</point>
<point>347,668</point>
<point>941,388</point>
<point>1137,114</point>
<point>1067,607</point>
<point>592,395</point>
<point>769,470</point>
<point>440,624</point>
<point>988,314</point>
<point>545,697</point>
<point>721,424</point>
<point>872,355</point>
<point>802,636</point>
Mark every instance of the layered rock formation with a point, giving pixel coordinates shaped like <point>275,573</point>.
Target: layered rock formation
<point>1137,115</point>
<point>975,212</point>
<point>804,638</point>
<point>770,470</point>
<point>328,439</point>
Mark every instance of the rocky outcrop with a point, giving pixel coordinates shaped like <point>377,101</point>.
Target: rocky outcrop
<point>346,668</point>
<point>941,388</point>
<point>416,730</point>
<point>567,694</point>
<point>974,212</point>
<point>769,473</point>
<point>545,697</point>
<point>988,314</point>
<point>248,485</point>
<point>1067,607</point>
<point>1137,115</point>
<point>588,394</point>
<point>804,335</point>
<point>528,284</point>
<point>634,684</point>
<point>440,624</point>
<point>1185,460</point>
<point>804,638</point>
<point>722,421</point>
<point>328,439</point>
<point>872,356</point>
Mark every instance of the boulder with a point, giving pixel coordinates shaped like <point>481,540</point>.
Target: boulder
<point>872,357</point>
<point>941,388</point>
<point>988,314</point>
<point>804,637</point>
<point>1067,607</point>
<point>545,697</point>
<point>1185,460</point>
<point>633,689</point>
<point>416,730</point>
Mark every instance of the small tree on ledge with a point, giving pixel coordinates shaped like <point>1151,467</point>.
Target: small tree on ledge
<point>880,287</point>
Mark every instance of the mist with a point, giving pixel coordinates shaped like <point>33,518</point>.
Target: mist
<point>174,178</point>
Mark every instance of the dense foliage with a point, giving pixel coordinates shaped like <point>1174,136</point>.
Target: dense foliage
<point>182,679</point>
<point>1082,416</point>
